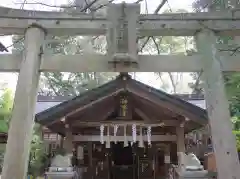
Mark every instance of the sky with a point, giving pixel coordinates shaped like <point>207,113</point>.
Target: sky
<point>149,78</point>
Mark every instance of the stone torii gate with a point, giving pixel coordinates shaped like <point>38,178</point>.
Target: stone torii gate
<point>122,26</point>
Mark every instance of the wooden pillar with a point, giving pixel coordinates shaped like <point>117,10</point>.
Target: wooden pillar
<point>90,151</point>
<point>167,159</point>
<point>68,142</point>
<point>180,144</point>
<point>224,143</point>
<point>21,126</point>
<point>80,154</point>
<point>62,142</point>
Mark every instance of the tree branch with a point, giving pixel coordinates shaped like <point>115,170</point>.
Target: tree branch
<point>235,50</point>
<point>155,12</point>
<point>102,5</point>
<point>156,45</point>
<point>145,43</point>
<point>138,1</point>
<point>88,6</point>
<point>160,6</point>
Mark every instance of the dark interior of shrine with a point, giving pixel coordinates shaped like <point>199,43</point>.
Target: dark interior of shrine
<point>122,155</point>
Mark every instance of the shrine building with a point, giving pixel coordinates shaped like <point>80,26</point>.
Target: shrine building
<point>124,128</point>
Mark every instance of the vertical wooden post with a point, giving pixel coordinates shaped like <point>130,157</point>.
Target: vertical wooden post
<point>224,143</point>
<point>21,126</point>
<point>68,142</point>
<point>90,159</point>
<point>90,151</point>
<point>180,144</point>
<point>167,159</point>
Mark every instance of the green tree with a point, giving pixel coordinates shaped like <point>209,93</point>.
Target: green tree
<point>37,151</point>
<point>37,158</point>
<point>6,103</point>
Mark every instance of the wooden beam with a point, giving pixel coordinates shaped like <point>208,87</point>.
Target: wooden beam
<point>69,117</point>
<point>129,122</point>
<point>146,28</point>
<point>224,144</point>
<point>153,110</point>
<point>176,108</point>
<point>10,26</point>
<point>142,115</point>
<point>96,138</point>
<point>98,114</point>
<point>61,23</point>
<point>10,62</point>
<point>47,15</point>
<point>94,103</point>
<point>99,63</point>
<point>56,15</point>
<point>188,28</point>
<point>21,125</point>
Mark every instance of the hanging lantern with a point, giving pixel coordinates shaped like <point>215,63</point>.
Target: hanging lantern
<point>101,134</point>
<point>115,128</point>
<point>125,136</point>
<point>141,144</point>
<point>108,138</point>
<point>149,135</point>
<point>134,132</point>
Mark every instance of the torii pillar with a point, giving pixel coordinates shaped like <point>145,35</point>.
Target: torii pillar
<point>224,143</point>
<point>21,126</point>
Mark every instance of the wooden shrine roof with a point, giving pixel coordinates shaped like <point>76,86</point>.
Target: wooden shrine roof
<point>98,105</point>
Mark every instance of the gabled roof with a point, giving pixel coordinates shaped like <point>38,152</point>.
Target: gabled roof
<point>123,83</point>
<point>62,109</point>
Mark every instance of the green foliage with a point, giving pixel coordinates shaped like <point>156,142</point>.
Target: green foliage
<point>37,151</point>
<point>237,134</point>
<point>6,103</point>
<point>37,158</point>
<point>232,83</point>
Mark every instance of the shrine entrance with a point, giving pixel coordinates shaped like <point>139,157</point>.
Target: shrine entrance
<point>122,156</point>
<point>123,161</point>
<point>132,161</point>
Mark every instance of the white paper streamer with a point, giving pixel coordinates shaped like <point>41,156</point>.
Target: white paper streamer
<point>108,138</point>
<point>134,133</point>
<point>101,134</point>
<point>115,133</point>
<point>149,135</point>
